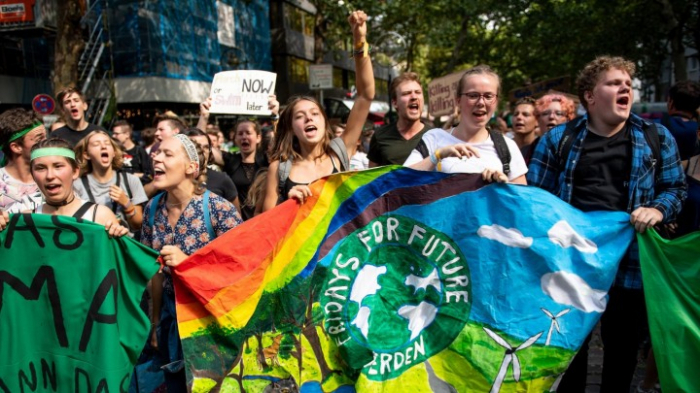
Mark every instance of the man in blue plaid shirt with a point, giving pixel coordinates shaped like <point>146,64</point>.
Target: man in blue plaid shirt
<point>610,165</point>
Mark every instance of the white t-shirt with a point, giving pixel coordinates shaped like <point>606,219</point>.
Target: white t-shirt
<point>437,138</point>
<point>359,161</point>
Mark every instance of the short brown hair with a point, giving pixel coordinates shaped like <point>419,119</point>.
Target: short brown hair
<point>590,74</point>
<point>12,121</point>
<point>524,101</point>
<point>125,125</point>
<point>405,77</point>
<point>67,91</point>
<point>481,69</point>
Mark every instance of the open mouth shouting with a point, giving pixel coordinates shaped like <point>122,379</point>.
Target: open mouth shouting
<point>158,173</point>
<point>480,115</point>
<point>53,189</point>
<point>310,131</point>
<point>623,102</point>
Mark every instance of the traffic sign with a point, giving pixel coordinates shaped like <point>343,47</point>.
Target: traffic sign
<point>320,76</point>
<point>44,104</point>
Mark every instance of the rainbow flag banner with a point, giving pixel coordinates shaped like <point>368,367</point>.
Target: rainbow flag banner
<point>393,280</point>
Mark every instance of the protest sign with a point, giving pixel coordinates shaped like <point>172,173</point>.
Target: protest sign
<point>242,92</point>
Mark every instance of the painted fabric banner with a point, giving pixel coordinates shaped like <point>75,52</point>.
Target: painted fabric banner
<point>671,270</point>
<point>398,280</point>
<point>69,305</point>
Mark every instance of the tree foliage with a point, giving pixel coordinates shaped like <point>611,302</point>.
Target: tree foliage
<point>525,41</point>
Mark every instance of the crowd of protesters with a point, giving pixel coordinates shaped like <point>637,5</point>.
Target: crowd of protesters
<point>182,187</point>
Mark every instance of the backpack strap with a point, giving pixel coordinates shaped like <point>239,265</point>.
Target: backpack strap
<point>651,134</point>
<point>86,185</point>
<point>126,183</point>
<point>339,148</point>
<point>152,210</point>
<point>499,142</point>
<point>207,216</point>
<point>423,149</point>
<point>83,209</point>
<point>566,143</point>
<point>283,174</point>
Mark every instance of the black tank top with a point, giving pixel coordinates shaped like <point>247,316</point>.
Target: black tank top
<point>289,184</point>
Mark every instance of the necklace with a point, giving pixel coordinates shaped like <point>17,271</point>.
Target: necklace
<point>64,202</point>
<point>178,204</point>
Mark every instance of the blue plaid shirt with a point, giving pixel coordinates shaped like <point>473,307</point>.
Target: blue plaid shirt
<point>664,191</point>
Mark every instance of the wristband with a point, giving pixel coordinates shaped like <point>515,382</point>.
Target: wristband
<point>128,204</point>
<point>433,159</point>
<point>439,160</point>
<point>361,49</point>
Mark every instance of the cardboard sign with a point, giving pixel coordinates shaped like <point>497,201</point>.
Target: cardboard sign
<point>441,94</point>
<point>540,88</point>
<point>242,92</point>
<point>320,76</point>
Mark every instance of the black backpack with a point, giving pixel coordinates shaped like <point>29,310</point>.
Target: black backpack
<point>499,142</point>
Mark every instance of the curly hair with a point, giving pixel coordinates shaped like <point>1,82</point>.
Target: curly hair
<point>286,143</point>
<point>481,69</point>
<point>567,105</point>
<point>589,76</point>
<point>12,121</point>
<point>81,149</point>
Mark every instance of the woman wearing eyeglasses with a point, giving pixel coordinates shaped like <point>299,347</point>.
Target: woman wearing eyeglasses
<point>470,147</point>
<point>552,110</point>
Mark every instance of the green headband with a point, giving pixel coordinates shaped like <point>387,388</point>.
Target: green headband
<point>22,133</point>
<point>53,151</point>
<point>16,136</point>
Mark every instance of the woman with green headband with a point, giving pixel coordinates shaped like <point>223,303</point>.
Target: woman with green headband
<point>54,170</point>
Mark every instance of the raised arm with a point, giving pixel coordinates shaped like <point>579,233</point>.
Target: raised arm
<point>364,79</point>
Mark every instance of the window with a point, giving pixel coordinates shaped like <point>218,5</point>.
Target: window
<point>299,70</point>
<point>337,78</point>
<point>299,20</point>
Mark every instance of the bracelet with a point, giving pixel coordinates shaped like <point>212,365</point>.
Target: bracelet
<point>361,49</point>
<point>130,212</point>
<point>127,204</point>
<point>129,215</point>
<point>439,160</point>
<point>433,159</point>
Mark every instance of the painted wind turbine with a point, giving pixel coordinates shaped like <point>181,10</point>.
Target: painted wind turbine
<point>554,324</point>
<point>510,357</point>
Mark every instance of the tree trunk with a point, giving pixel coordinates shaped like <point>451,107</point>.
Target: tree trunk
<point>458,45</point>
<point>309,331</point>
<point>70,43</point>
<point>675,36</point>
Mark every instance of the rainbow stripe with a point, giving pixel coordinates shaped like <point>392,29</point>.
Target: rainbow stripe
<point>241,265</point>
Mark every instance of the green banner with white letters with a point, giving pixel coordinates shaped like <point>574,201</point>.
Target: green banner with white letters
<point>69,305</point>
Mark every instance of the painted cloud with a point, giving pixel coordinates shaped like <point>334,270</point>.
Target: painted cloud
<point>571,290</point>
<point>564,235</point>
<point>509,236</point>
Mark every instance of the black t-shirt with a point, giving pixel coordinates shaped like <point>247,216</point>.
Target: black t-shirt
<point>136,160</point>
<point>221,185</point>
<point>72,136</point>
<point>601,177</point>
<point>389,147</point>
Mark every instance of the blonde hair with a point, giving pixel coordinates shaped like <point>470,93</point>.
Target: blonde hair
<point>256,192</point>
<point>81,148</point>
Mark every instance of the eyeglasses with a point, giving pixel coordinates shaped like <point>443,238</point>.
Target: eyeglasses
<point>473,97</point>
<point>549,112</point>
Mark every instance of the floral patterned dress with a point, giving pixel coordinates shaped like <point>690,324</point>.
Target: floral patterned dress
<point>189,234</point>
